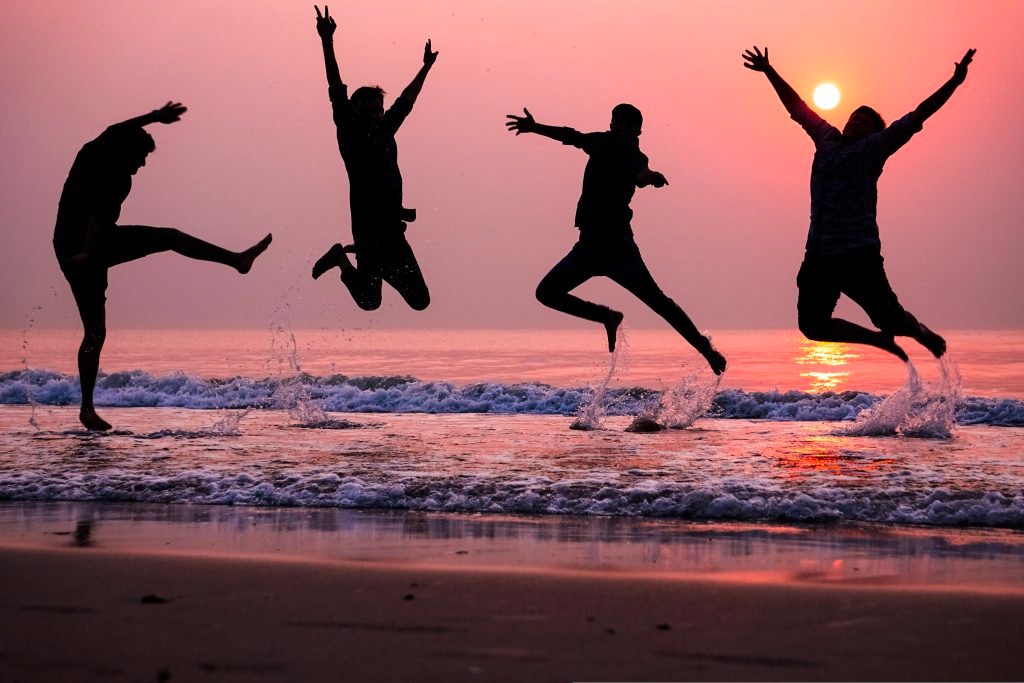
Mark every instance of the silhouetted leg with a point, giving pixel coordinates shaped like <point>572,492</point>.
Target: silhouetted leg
<point>819,285</point>
<point>89,289</point>
<point>131,242</point>
<point>363,281</point>
<point>631,273</point>
<point>401,271</point>
<point>872,292</point>
<point>568,274</point>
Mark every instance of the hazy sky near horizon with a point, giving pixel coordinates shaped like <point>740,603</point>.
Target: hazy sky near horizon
<point>256,152</point>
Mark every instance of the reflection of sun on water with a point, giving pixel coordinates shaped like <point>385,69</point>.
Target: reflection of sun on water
<point>831,354</point>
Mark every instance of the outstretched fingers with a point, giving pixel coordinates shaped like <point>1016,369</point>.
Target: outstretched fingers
<point>755,60</point>
<point>519,124</point>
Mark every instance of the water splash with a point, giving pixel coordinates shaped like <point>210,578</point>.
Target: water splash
<point>227,424</point>
<point>29,393</point>
<point>593,411</point>
<point>679,406</point>
<point>292,393</point>
<point>937,415</point>
<point>915,410</point>
<point>689,399</point>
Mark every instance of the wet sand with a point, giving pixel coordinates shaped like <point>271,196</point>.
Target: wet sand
<point>180,593</point>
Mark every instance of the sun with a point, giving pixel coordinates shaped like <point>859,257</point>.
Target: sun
<point>826,96</point>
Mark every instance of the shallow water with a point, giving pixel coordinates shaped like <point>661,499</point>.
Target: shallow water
<point>718,469</point>
<point>485,428</point>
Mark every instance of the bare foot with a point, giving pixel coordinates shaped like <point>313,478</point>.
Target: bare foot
<point>611,326</point>
<point>331,259</point>
<point>92,421</point>
<point>247,257</point>
<point>889,344</point>
<point>931,341</point>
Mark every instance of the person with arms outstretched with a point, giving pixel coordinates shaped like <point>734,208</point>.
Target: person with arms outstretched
<point>843,252</point>
<point>88,241</point>
<point>366,139</point>
<point>615,168</point>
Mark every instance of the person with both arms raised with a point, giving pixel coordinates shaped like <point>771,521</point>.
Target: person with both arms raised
<point>366,140</point>
<point>844,252</point>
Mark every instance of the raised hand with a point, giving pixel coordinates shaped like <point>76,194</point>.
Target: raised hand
<point>960,70</point>
<point>756,61</point>
<point>169,113</point>
<point>521,124</point>
<point>325,25</point>
<point>428,57</point>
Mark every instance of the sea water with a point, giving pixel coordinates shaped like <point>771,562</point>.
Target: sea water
<point>479,421</point>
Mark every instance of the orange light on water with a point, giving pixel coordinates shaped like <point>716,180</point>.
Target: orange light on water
<point>829,354</point>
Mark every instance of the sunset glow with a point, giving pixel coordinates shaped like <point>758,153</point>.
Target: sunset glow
<point>826,96</point>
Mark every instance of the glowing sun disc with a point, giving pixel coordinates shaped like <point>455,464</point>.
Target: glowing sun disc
<point>826,96</point>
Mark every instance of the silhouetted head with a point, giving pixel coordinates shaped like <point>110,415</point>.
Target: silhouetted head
<point>129,147</point>
<point>627,119</point>
<point>864,121</point>
<point>368,103</point>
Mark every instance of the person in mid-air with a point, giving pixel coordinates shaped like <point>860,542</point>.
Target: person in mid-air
<point>843,252</point>
<point>615,168</point>
<point>88,241</point>
<point>366,139</point>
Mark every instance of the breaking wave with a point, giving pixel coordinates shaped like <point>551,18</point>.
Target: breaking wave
<point>404,394</point>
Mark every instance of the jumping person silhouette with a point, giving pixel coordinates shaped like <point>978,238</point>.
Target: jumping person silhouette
<point>615,169</point>
<point>843,252</point>
<point>87,240</point>
<point>366,139</point>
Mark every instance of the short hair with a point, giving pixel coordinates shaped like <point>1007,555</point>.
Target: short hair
<point>873,115</point>
<point>130,141</point>
<point>628,115</point>
<point>367,92</point>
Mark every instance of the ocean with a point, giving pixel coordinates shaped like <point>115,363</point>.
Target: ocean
<point>524,422</point>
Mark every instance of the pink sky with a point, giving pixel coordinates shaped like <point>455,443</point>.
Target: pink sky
<point>256,152</point>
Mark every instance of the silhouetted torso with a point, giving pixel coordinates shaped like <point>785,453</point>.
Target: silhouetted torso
<point>844,182</point>
<point>371,159</point>
<point>609,181</point>
<point>93,188</point>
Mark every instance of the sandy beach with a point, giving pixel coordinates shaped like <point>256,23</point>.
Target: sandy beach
<point>157,593</point>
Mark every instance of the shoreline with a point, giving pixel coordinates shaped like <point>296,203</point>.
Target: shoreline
<point>300,594</point>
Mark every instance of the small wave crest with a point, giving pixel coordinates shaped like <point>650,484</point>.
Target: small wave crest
<point>722,500</point>
<point>403,394</point>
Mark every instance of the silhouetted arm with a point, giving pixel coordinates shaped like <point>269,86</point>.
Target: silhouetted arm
<point>325,27</point>
<point>935,101</point>
<point>412,91</point>
<point>169,113</point>
<point>814,125</point>
<point>755,61</point>
<point>527,124</point>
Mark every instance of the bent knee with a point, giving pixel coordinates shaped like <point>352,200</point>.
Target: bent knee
<point>546,294</point>
<point>812,328</point>
<point>368,304</point>
<point>419,303</point>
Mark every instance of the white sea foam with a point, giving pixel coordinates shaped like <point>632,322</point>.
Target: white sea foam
<point>711,500</point>
<point>404,394</point>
